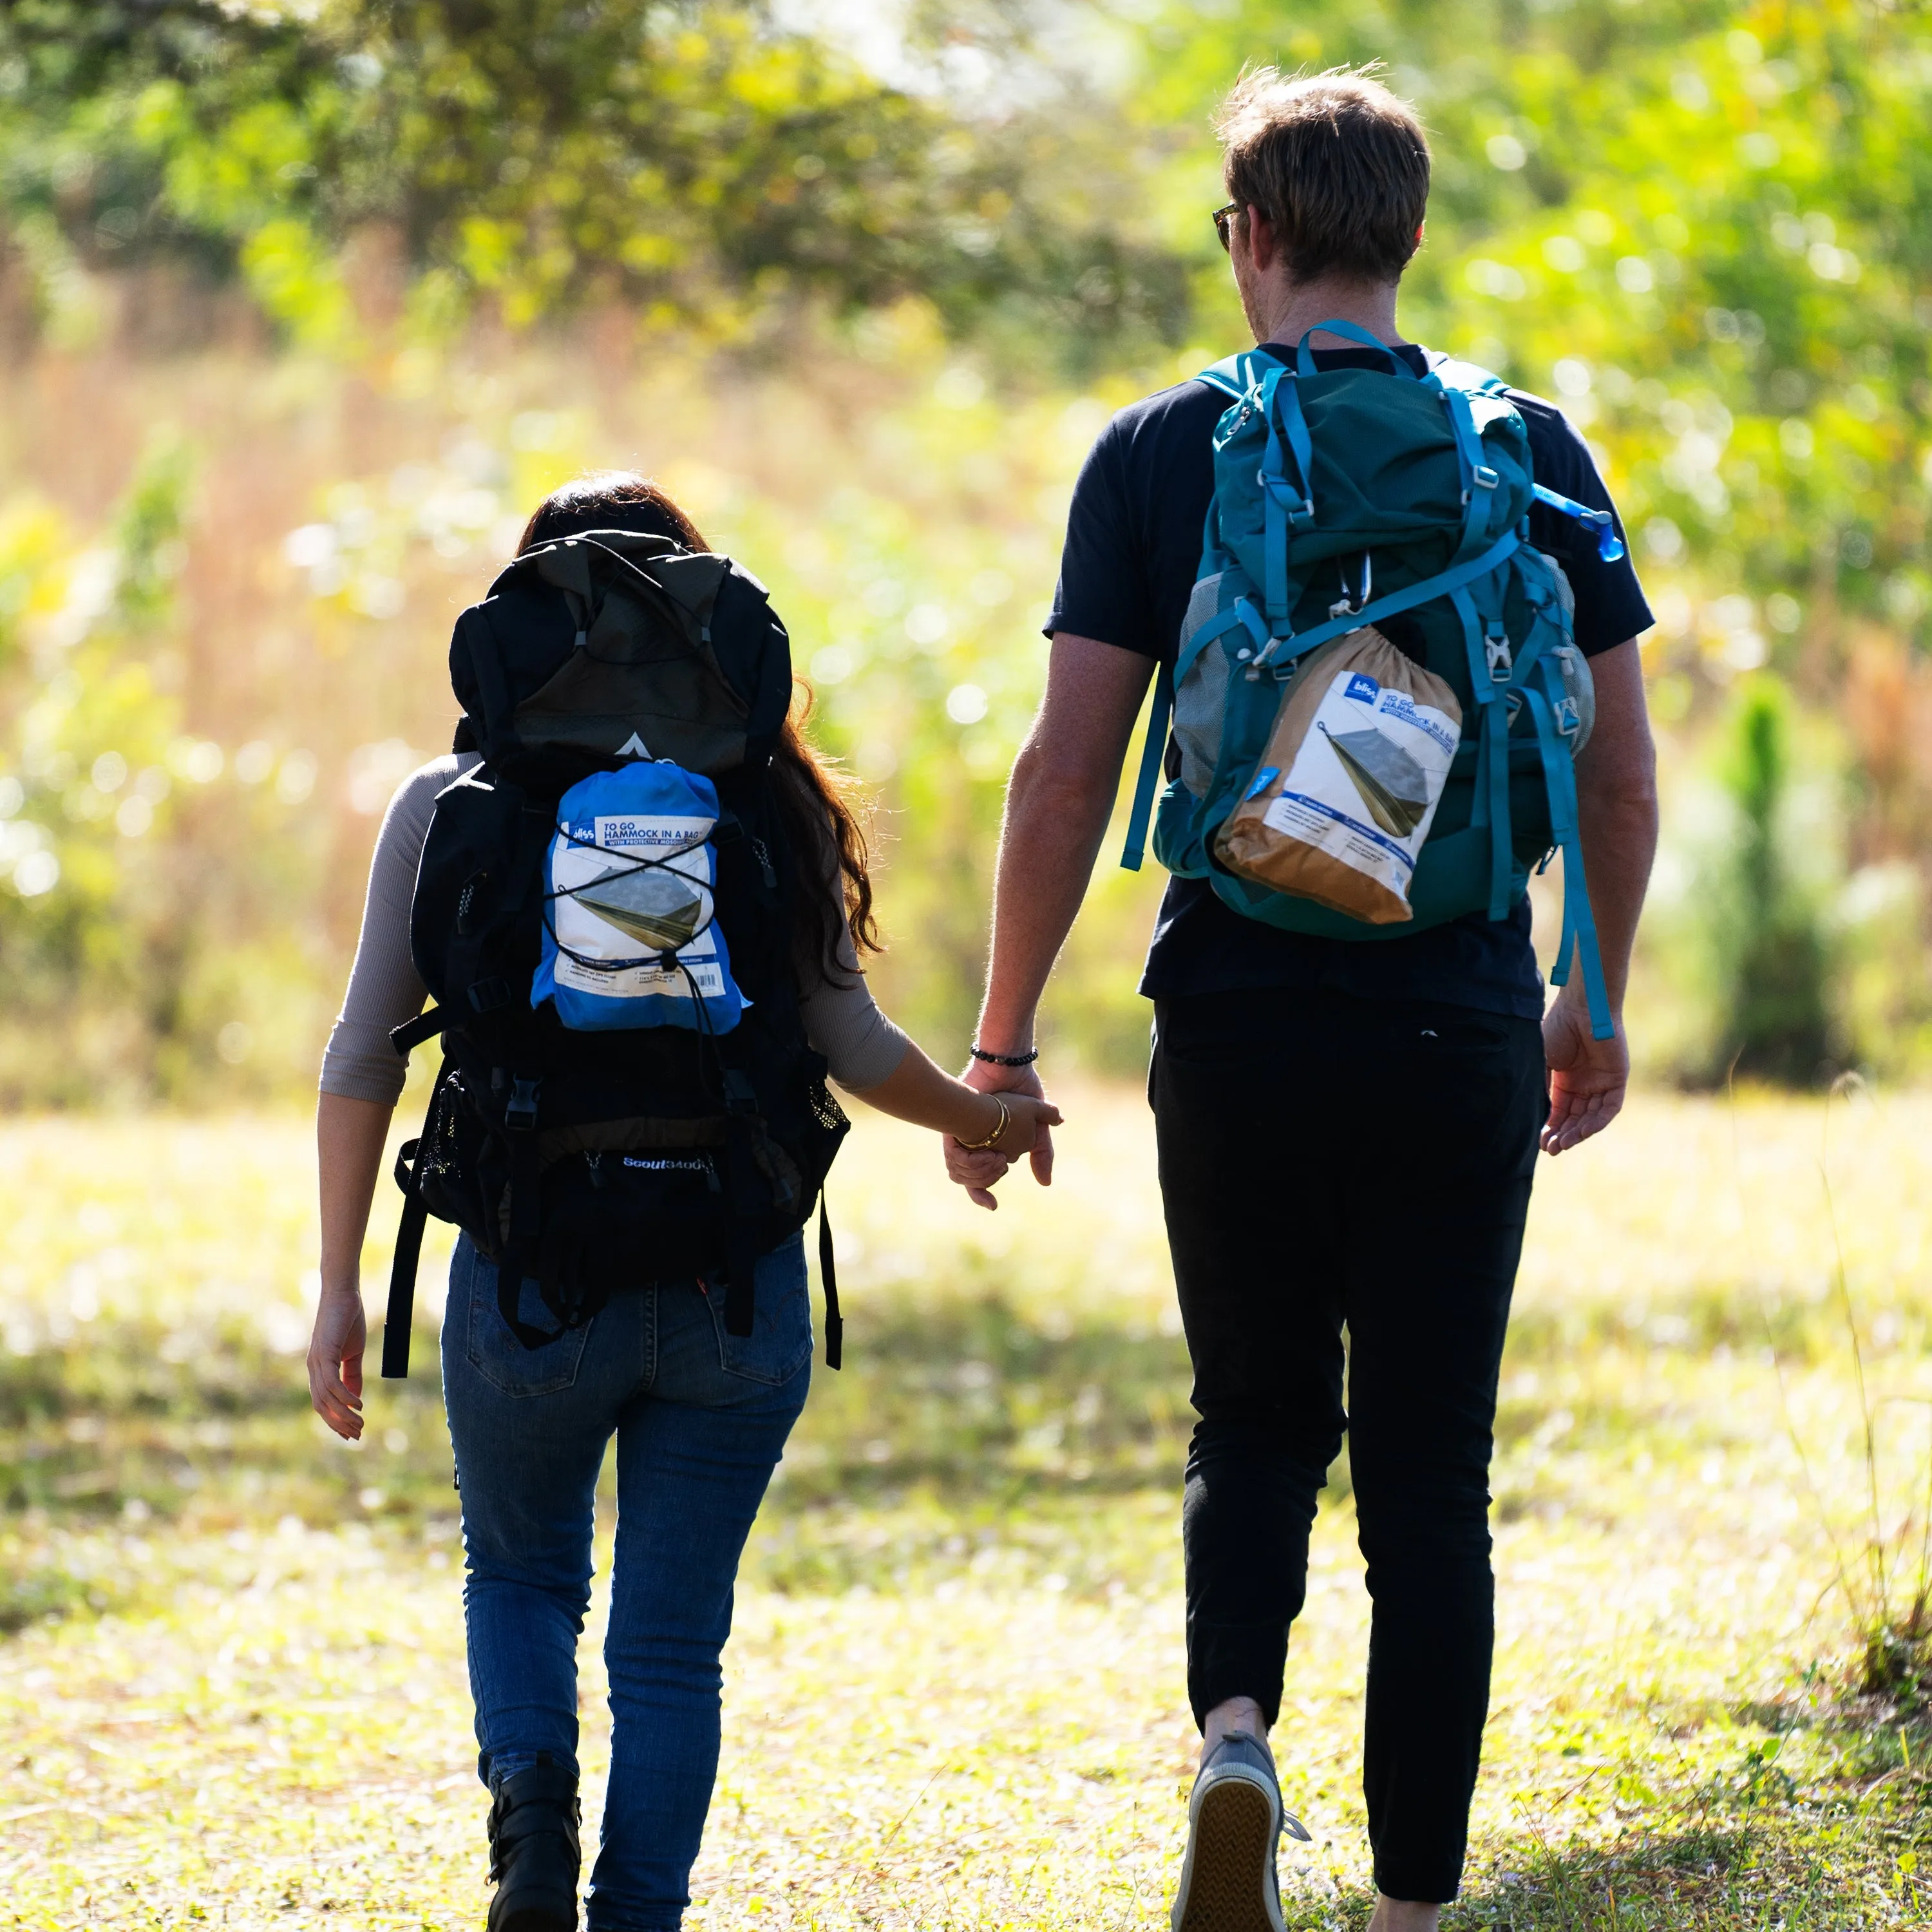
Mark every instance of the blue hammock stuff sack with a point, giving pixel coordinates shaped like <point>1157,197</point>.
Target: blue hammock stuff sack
<point>630,934</point>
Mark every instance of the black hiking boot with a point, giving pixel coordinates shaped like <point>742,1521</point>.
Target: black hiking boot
<point>534,1854</point>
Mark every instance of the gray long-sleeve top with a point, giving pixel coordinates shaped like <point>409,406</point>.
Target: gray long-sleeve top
<point>842,1021</point>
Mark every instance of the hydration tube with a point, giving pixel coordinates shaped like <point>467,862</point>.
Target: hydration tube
<point>1610,545</point>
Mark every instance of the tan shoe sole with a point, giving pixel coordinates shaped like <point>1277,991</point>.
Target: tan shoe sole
<point>1226,1883</point>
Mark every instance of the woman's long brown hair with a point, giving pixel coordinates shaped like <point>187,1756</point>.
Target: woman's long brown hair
<point>823,830</point>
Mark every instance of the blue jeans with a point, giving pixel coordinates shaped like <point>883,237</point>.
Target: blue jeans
<point>700,1418</point>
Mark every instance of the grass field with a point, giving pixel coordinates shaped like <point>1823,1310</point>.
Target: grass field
<point>232,1689</point>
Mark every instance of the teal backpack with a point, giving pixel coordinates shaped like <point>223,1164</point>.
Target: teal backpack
<point>1343,498</point>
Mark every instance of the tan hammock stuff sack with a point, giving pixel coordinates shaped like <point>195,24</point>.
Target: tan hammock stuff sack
<point>1344,795</point>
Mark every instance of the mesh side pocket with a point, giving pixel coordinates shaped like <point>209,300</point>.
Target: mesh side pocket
<point>825,1127</point>
<point>830,1116</point>
<point>1202,696</point>
<point>460,1169</point>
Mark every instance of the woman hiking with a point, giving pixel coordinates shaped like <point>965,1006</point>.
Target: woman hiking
<point>700,1411</point>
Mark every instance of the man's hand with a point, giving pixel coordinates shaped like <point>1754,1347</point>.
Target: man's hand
<point>979,1170</point>
<point>1616,814</point>
<point>335,1361</point>
<point>1588,1077</point>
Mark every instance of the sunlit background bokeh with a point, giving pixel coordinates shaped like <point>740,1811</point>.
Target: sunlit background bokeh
<point>305,307</point>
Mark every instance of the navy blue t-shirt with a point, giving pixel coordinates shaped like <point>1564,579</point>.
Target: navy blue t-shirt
<point>1133,545</point>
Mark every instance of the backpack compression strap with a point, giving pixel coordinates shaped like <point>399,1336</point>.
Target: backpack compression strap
<point>411,1033</point>
<point>1286,649</point>
<point>1289,647</point>
<point>1152,753</point>
<point>401,1309</point>
<point>1579,923</point>
<point>403,1271</point>
<point>828,1281</point>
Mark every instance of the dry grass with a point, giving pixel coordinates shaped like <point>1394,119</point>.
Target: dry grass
<point>236,1692</point>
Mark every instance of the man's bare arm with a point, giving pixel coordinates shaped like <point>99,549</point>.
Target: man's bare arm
<point>1616,810</point>
<point>1057,806</point>
<point>1058,803</point>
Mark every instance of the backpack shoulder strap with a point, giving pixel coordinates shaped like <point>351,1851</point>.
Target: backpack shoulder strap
<point>1226,376</point>
<point>1471,378</point>
<point>1238,376</point>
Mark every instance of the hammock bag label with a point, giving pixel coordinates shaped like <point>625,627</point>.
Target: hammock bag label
<point>1343,797</point>
<point>630,937</point>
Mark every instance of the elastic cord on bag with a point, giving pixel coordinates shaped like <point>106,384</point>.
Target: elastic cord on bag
<point>661,861</point>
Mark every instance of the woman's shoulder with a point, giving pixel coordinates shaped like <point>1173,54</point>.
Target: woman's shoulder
<point>418,792</point>
<point>406,823</point>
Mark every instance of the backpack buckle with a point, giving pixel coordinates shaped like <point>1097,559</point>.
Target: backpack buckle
<point>1279,489</point>
<point>1567,717</point>
<point>1484,478</point>
<point>740,1095</point>
<point>1497,644</point>
<point>487,995</point>
<point>519,1117</point>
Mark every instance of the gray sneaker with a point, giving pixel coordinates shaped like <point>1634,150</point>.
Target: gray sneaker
<point>1228,1881</point>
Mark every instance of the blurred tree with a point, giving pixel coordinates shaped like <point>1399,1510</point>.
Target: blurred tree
<point>1775,1012</point>
<point>137,854</point>
<point>701,162</point>
<point>1706,229</point>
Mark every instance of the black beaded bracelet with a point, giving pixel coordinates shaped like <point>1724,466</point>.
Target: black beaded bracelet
<point>1006,1059</point>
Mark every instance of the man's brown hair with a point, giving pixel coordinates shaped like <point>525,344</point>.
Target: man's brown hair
<point>1337,165</point>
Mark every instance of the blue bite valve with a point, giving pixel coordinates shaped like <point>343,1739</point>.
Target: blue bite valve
<point>1610,545</point>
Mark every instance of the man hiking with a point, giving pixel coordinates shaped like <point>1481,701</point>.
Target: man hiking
<point>1348,1115</point>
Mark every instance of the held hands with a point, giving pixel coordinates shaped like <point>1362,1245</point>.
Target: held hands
<point>1588,1077</point>
<point>979,1170</point>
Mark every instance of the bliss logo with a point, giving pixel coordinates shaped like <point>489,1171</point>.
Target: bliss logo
<point>1364,690</point>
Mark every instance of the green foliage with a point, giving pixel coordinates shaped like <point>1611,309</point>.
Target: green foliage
<point>1778,1025</point>
<point>127,859</point>
<point>696,161</point>
<point>1706,228</point>
<point>1748,937</point>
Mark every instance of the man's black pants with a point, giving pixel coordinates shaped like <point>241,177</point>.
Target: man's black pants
<point>1328,1161</point>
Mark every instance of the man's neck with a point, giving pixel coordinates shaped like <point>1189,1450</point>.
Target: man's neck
<point>1300,307</point>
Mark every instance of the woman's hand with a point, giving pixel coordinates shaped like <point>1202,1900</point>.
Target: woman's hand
<point>350,1135</point>
<point>1028,1116</point>
<point>335,1360</point>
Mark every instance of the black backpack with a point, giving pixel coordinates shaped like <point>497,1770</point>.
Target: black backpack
<point>595,1162</point>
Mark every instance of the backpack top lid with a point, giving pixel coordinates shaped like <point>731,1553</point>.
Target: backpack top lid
<point>1312,464</point>
<point>614,644</point>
